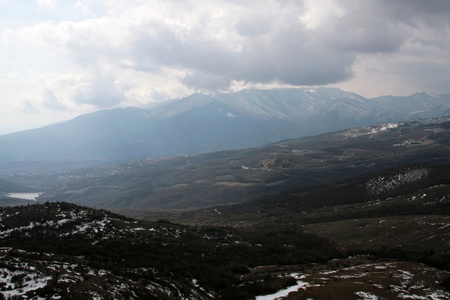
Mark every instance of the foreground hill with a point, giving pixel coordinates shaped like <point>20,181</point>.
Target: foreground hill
<point>63,251</point>
<point>232,177</point>
<point>201,123</point>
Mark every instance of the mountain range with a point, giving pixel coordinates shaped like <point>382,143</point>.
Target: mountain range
<point>226,178</point>
<point>355,213</point>
<point>205,123</point>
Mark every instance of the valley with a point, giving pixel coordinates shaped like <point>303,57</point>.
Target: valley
<point>209,180</point>
<point>362,213</point>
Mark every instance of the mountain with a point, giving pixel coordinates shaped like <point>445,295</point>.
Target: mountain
<point>356,213</point>
<point>232,177</point>
<point>201,123</point>
<point>414,107</point>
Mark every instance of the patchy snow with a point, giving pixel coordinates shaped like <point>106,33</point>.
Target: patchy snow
<point>283,293</point>
<point>366,295</point>
<point>438,295</point>
<point>405,275</point>
<point>399,280</point>
<point>357,132</point>
<point>328,272</point>
<point>20,282</point>
<point>382,184</point>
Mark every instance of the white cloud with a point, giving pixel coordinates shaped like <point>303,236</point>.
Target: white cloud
<point>317,13</point>
<point>86,55</point>
<point>47,3</point>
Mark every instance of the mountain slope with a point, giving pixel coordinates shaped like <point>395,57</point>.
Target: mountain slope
<point>286,104</point>
<point>94,254</point>
<point>421,105</point>
<point>7,186</point>
<point>230,177</point>
<point>102,135</point>
<point>201,123</point>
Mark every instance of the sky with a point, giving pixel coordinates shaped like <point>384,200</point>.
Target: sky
<point>63,58</point>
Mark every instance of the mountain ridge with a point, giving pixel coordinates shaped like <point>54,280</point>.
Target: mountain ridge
<point>205,123</point>
<point>229,177</point>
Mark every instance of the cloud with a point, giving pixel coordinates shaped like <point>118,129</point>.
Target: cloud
<point>419,59</point>
<point>297,43</point>
<point>99,91</point>
<point>47,3</point>
<point>118,53</point>
<point>206,81</point>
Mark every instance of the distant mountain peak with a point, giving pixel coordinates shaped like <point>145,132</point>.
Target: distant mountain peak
<point>176,107</point>
<point>222,121</point>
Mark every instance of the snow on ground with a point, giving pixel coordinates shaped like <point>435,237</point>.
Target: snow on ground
<point>20,282</point>
<point>283,293</point>
<point>357,132</point>
<point>383,184</point>
<point>366,295</point>
<point>369,281</point>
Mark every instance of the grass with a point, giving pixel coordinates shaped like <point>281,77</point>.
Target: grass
<point>411,233</point>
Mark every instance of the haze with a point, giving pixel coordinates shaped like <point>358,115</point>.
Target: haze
<point>60,59</point>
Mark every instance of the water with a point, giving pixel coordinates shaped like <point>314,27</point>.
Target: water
<point>26,196</point>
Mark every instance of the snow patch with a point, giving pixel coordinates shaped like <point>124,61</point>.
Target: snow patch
<point>366,296</point>
<point>20,282</point>
<point>357,132</point>
<point>283,293</point>
<point>382,184</point>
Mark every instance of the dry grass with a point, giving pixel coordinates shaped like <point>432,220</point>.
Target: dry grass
<point>408,232</point>
<point>365,278</point>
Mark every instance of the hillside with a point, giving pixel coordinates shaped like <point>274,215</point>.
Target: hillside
<point>7,186</point>
<point>93,254</point>
<point>231,177</point>
<point>358,213</point>
<point>201,123</point>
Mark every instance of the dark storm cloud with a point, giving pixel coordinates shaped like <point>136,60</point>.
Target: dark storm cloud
<point>295,42</point>
<point>288,51</point>
<point>206,81</point>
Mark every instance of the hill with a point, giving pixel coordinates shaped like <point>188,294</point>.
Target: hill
<point>358,213</point>
<point>94,254</point>
<point>231,177</point>
<point>201,123</point>
<point>7,186</point>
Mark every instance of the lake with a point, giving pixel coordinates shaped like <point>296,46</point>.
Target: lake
<point>27,196</point>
